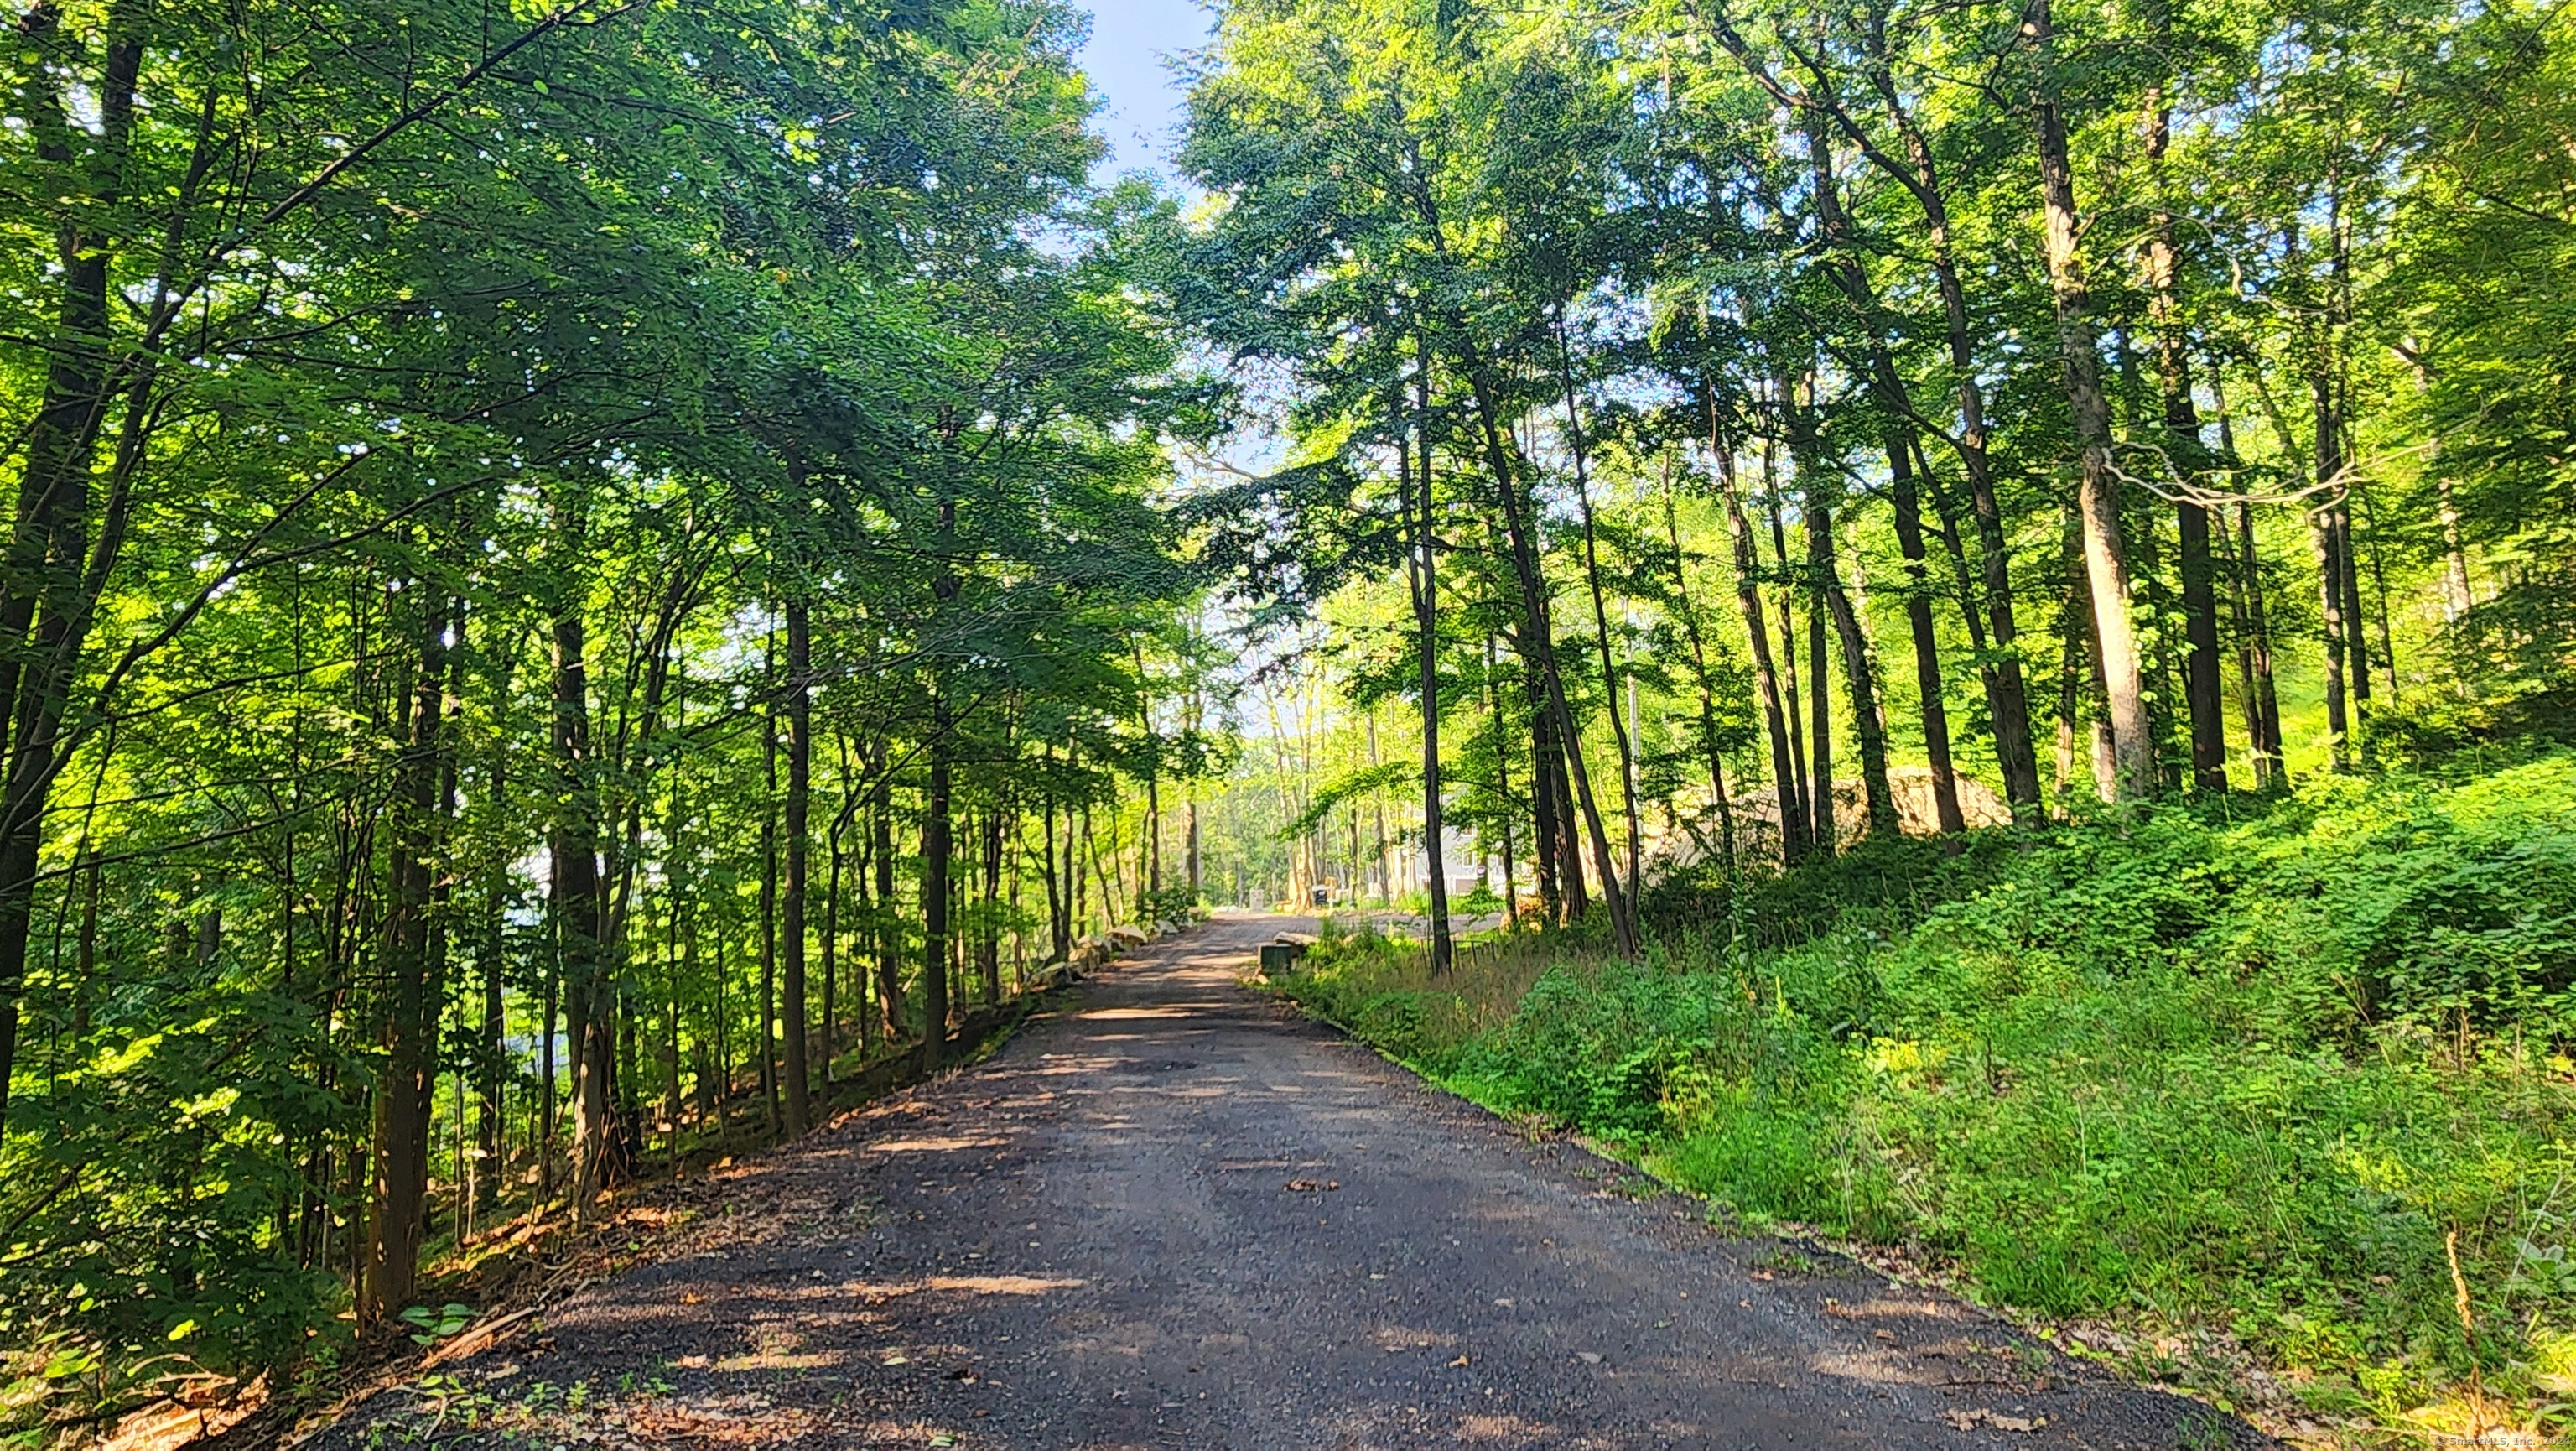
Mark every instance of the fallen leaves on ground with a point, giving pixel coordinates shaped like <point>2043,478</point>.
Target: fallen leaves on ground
<point>1971,1419</point>
<point>1311,1186</point>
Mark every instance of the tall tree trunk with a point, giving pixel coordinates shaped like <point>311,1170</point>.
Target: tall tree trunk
<point>1788,576</point>
<point>442,897</point>
<point>493,1055</point>
<point>1820,752</point>
<point>1533,590</point>
<point>1868,726</point>
<point>579,920</point>
<point>936,851</point>
<point>400,1151</point>
<point>85,942</point>
<point>1151,848</point>
<point>936,843</point>
<point>2262,703</point>
<point>2356,620</point>
<point>1547,845</point>
<point>2007,696</point>
<point>1379,860</point>
<point>1927,645</point>
<point>546,1097</point>
<point>1569,837</point>
<point>1058,874</point>
<point>1056,944</point>
<point>1601,615</point>
<point>1198,882</point>
<point>2202,698</point>
<point>1422,574</point>
<point>1708,734</point>
<point>2336,377</point>
<point>1766,680</point>
<point>2321,533</point>
<point>44,594</point>
<point>889,933</point>
<point>791,923</point>
<point>2240,619</point>
<point>2085,660</point>
<point>862,909</point>
<point>2201,690</point>
<point>769,1085</point>
<point>988,942</point>
<point>1852,272</point>
<point>835,860</point>
<point>2154,601</point>
<point>1082,886</point>
<point>2106,563</point>
<point>2074,629</point>
<point>1502,782</point>
<point>1820,709</point>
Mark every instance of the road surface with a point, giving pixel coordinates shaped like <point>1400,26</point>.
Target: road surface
<point>1171,1213</point>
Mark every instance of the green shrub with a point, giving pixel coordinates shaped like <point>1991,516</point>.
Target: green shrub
<point>1169,904</point>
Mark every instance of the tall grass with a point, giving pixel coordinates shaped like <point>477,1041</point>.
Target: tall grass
<point>2186,1069</point>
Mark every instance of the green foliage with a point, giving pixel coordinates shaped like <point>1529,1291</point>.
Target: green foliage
<point>1177,903</point>
<point>432,1326</point>
<point>2245,1072</point>
<point>1889,882</point>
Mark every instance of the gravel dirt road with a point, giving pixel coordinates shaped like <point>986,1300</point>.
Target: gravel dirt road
<point>1172,1213</point>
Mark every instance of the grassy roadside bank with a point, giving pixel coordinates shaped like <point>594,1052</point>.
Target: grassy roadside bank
<point>2210,1081</point>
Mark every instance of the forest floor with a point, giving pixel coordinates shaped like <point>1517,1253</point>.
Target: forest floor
<point>1172,1212</point>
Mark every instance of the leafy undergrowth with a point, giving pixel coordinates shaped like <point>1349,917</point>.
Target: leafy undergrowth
<point>63,1394</point>
<point>2191,1080</point>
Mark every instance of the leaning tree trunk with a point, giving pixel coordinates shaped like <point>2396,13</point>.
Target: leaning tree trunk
<point>2356,644</point>
<point>1533,592</point>
<point>1699,670</point>
<point>1927,645</point>
<point>1766,680</point>
<point>2106,561</point>
<point>1879,797</point>
<point>1601,616</point>
<point>1917,171</point>
<point>1818,520</point>
<point>1852,273</point>
<point>1789,659</point>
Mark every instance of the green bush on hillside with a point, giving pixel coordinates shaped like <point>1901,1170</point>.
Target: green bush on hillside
<point>2248,1071</point>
